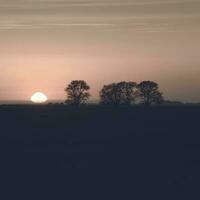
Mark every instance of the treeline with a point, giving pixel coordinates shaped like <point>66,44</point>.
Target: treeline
<point>121,93</point>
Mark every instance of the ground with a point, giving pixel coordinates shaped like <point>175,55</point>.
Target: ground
<point>63,152</point>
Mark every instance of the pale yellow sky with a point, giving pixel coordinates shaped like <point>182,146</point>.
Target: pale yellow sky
<point>44,44</point>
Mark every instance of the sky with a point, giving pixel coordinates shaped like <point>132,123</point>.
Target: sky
<point>44,44</point>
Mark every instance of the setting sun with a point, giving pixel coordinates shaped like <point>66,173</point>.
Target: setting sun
<point>39,97</point>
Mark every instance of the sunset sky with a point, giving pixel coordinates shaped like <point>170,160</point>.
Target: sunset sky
<point>44,44</point>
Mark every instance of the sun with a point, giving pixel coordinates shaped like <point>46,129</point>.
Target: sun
<point>39,97</point>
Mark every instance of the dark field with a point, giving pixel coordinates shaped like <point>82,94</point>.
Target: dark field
<point>60,152</point>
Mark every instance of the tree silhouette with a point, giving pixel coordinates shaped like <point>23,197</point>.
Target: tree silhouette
<point>122,93</point>
<point>149,92</point>
<point>77,92</point>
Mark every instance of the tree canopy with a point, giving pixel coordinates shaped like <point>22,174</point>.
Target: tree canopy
<point>149,93</point>
<point>77,92</point>
<point>122,93</point>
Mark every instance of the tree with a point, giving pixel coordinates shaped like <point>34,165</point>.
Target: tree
<point>77,92</point>
<point>122,93</point>
<point>157,98</point>
<point>149,92</point>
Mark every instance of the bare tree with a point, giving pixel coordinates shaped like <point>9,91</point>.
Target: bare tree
<point>149,93</point>
<point>122,93</point>
<point>77,92</point>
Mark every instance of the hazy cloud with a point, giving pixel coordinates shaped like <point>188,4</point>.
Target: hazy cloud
<point>110,14</point>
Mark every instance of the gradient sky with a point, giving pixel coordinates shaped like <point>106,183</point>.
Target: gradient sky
<point>44,44</point>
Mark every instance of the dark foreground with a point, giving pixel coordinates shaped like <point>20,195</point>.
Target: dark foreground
<point>58,152</point>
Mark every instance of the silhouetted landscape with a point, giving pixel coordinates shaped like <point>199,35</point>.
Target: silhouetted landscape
<point>99,99</point>
<point>128,151</point>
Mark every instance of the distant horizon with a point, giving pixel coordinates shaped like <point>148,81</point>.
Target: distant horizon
<point>14,102</point>
<point>48,101</point>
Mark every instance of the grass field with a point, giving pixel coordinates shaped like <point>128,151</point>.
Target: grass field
<point>126,152</point>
